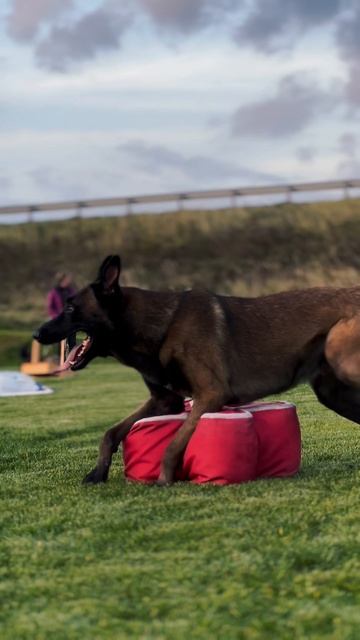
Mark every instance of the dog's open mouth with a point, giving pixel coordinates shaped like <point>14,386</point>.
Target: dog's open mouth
<point>77,357</point>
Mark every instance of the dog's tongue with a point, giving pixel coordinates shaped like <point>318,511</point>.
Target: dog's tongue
<point>70,359</point>
<point>66,365</point>
<point>74,354</point>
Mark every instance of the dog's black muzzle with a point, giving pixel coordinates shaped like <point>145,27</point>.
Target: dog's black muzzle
<point>54,330</point>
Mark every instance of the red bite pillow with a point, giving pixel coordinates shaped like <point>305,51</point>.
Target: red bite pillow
<point>222,450</point>
<point>145,444</point>
<point>239,444</point>
<point>278,430</point>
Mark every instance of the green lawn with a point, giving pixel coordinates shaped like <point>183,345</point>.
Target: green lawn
<point>276,559</point>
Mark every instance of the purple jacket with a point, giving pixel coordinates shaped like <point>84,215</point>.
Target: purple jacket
<point>54,301</point>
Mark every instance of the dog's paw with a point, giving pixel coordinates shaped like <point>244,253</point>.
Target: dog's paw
<point>96,476</point>
<point>163,482</point>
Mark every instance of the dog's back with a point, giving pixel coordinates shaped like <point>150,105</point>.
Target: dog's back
<point>286,331</point>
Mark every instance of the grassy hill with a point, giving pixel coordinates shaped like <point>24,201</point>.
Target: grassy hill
<point>243,251</point>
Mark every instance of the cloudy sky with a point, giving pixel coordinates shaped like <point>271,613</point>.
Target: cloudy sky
<point>119,97</point>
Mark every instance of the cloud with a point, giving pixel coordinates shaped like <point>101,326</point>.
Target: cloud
<point>74,182</point>
<point>187,15</point>
<point>306,154</point>
<point>349,168</point>
<point>155,159</point>
<point>349,45</point>
<point>59,183</point>
<point>348,33</point>
<point>296,103</point>
<point>99,30</point>
<point>352,86</point>
<point>264,25</point>
<point>5,183</point>
<point>349,165</point>
<point>271,25</point>
<point>348,144</point>
<point>27,16</point>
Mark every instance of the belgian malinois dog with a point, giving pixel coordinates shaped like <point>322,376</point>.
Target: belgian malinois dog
<point>217,349</point>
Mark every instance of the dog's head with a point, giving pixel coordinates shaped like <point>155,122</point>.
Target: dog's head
<point>94,310</point>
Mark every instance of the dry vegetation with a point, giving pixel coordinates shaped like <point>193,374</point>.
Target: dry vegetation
<point>243,251</point>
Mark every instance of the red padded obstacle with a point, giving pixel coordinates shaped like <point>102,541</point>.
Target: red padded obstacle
<point>239,444</point>
<point>278,430</point>
<point>145,444</point>
<point>222,450</point>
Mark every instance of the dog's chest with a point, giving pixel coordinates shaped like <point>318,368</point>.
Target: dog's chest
<point>149,366</point>
<point>152,370</point>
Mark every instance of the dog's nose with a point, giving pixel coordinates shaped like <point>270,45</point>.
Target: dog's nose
<point>36,334</point>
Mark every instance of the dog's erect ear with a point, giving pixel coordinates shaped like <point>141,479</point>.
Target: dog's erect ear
<point>109,272</point>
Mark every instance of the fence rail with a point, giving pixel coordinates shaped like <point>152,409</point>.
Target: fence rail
<point>128,201</point>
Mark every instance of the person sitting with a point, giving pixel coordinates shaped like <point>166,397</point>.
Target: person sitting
<point>57,298</point>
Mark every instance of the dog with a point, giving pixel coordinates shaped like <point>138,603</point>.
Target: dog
<point>217,349</point>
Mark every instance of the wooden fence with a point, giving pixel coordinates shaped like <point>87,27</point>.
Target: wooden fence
<point>80,206</point>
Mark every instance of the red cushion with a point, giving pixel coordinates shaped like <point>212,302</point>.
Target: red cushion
<point>239,444</point>
<point>278,430</point>
<point>222,450</point>
<point>144,446</point>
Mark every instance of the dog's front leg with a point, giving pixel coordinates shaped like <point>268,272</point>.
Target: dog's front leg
<point>161,402</point>
<point>111,440</point>
<point>108,446</point>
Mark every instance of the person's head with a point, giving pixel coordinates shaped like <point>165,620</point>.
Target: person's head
<point>63,280</point>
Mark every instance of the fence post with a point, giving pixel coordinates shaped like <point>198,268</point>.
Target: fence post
<point>289,192</point>
<point>181,200</point>
<point>30,217</point>
<point>79,210</point>
<point>346,191</point>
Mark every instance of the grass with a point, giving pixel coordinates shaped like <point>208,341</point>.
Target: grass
<point>11,342</point>
<point>276,559</point>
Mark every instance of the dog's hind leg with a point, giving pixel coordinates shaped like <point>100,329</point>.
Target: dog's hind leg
<point>337,382</point>
<point>205,369</point>
<point>212,401</point>
<point>336,395</point>
<point>161,402</point>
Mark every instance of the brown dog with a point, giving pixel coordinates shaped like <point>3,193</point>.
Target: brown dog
<point>217,349</point>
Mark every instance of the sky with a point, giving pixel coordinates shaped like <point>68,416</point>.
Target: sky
<point>103,98</point>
